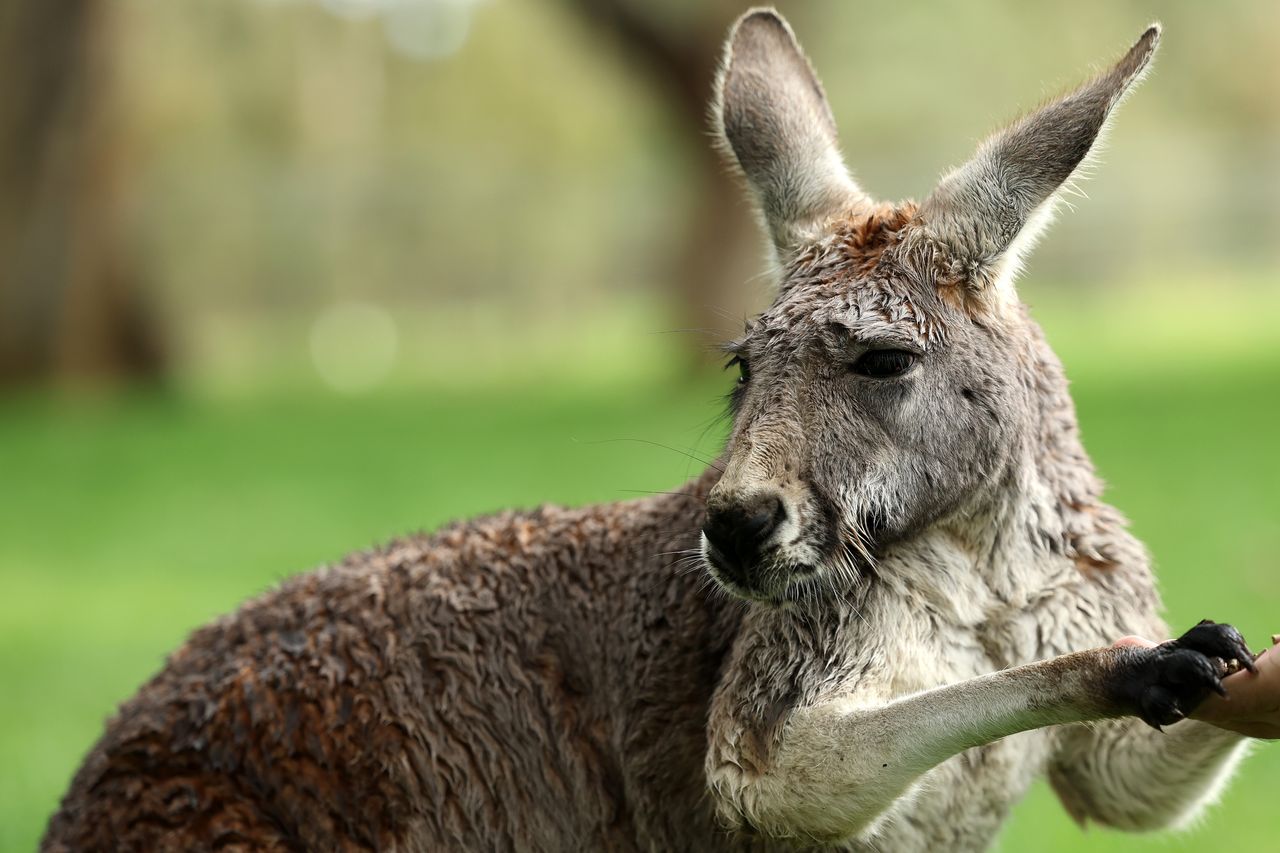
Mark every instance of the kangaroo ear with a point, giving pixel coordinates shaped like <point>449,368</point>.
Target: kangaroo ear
<point>772,117</point>
<point>988,213</point>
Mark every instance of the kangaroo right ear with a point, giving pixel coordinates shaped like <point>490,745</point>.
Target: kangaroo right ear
<point>988,212</point>
<point>771,115</point>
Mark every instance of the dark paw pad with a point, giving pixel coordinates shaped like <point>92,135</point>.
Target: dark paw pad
<point>1219,641</point>
<point>1164,684</point>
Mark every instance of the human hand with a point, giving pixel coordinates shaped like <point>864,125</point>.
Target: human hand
<point>1252,704</point>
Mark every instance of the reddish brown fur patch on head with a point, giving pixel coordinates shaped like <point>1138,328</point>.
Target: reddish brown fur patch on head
<point>957,294</point>
<point>865,238</point>
<point>864,270</point>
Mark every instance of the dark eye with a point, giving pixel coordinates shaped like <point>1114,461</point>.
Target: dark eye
<point>744,369</point>
<point>884,363</point>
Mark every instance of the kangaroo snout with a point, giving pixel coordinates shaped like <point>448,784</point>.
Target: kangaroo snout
<point>740,531</point>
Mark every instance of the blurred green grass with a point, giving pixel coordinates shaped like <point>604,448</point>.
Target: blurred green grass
<point>125,523</point>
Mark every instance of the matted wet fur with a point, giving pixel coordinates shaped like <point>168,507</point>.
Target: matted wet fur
<point>916,585</point>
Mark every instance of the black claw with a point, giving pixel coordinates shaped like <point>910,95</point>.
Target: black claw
<point>1221,641</point>
<point>1164,684</point>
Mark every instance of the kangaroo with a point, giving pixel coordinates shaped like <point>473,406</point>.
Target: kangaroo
<point>906,607</point>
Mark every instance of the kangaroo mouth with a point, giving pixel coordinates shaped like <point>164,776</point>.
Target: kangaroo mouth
<point>799,572</point>
<point>818,553</point>
<point>774,580</point>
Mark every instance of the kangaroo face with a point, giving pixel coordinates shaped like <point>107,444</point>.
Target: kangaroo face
<point>867,408</point>
<point>891,384</point>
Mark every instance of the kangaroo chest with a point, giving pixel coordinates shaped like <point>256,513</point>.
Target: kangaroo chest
<point>905,640</point>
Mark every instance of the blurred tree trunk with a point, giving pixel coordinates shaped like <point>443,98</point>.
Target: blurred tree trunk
<point>713,275</point>
<point>70,304</point>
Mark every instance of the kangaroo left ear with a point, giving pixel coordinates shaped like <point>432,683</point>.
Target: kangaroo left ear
<point>988,213</point>
<point>772,118</point>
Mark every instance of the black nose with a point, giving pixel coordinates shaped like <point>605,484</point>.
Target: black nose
<point>739,530</point>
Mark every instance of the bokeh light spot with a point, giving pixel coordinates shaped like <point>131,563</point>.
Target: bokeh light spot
<point>427,29</point>
<point>353,10</point>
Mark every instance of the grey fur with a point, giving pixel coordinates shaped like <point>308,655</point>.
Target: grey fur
<point>908,658</point>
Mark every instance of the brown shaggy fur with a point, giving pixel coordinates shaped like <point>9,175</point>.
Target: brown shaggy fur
<point>356,706</point>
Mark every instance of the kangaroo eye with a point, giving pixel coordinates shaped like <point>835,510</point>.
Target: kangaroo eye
<point>884,363</point>
<point>744,369</point>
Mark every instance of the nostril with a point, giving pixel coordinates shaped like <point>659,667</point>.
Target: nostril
<point>739,531</point>
<point>766,513</point>
<point>758,526</point>
<point>777,511</point>
<point>719,532</point>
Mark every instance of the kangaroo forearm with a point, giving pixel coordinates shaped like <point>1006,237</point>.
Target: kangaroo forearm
<point>1130,776</point>
<point>840,766</point>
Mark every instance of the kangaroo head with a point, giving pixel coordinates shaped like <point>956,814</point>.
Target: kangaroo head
<point>893,382</point>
